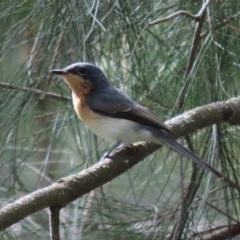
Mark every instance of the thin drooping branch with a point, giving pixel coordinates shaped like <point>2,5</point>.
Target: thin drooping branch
<point>34,91</point>
<point>70,188</point>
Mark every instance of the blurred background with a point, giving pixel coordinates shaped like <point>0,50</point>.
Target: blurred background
<point>42,140</point>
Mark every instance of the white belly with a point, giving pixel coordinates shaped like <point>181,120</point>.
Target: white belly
<point>114,130</point>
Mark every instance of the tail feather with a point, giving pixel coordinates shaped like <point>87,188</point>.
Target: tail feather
<point>187,153</point>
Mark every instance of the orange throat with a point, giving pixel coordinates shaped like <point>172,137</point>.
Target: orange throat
<point>80,107</point>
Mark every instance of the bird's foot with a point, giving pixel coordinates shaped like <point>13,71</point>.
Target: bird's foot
<point>107,154</point>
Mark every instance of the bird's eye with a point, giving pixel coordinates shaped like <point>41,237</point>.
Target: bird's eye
<point>82,71</point>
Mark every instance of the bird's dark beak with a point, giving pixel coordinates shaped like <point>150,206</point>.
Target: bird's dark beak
<point>59,71</point>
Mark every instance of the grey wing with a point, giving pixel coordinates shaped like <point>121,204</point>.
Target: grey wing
<point>119,105</point>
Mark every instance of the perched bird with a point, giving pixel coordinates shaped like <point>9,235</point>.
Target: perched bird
<point>113,115</point>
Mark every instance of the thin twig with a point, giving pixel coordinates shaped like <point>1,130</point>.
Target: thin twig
<point>32,53</point>
<point>195,200</point>
<point>196,17</point>
<point>173,15</point>
<point>55,54</point>
<point>34,91</point>
<point>49,114</point>
<point>219,25</point>
<point>222,212</point>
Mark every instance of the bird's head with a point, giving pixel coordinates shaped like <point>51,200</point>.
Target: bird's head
<point>83,76</point>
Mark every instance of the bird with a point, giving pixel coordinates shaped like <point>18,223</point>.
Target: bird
<point>114,116</point>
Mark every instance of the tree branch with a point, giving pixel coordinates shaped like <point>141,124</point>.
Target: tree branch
<point>70,188</point>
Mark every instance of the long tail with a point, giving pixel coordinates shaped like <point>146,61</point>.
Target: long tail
<point>187,153</point>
